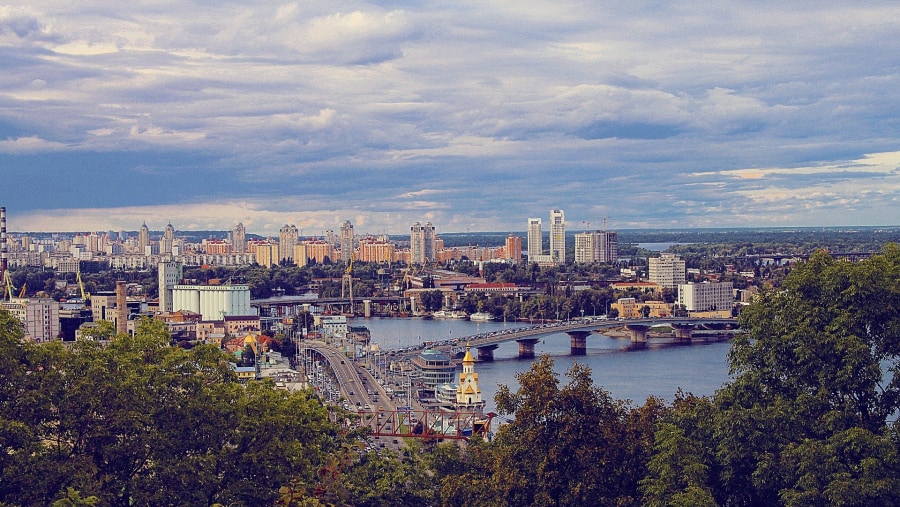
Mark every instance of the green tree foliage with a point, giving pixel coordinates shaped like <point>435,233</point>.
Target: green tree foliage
<point>807,418</point>
<point>571,444</point>
<point>432,300</point>
<point>137,422</point>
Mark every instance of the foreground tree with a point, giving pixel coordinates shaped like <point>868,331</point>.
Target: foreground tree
<point>806,419</point>
<point>571,444</point>
<point>137,422</point>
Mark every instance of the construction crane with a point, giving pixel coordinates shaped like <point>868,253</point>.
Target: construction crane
<point>84,295</point>
<point>7,280</point>
<point>22,292</point>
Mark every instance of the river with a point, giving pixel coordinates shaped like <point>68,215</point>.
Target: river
<point>659,370</point>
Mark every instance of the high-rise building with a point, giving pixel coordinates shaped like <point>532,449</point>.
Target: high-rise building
<point>168,239</point>
<point>557,236</point>
<point>267,254</point>
<point>318,250</point>
<point>514,248</point>
<point>239,239</point>
<point>346,241</point>
<point>169,274</point>
<point>535,239</point>
<point>421,243</point>
<point>39,317</point>
<point>375,250</point>
<point>144,238</point>
<point>667,270</point>
<point>596,246</point>
<point>288,238</point>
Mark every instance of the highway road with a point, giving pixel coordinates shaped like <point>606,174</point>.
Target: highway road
<point>362,391</point>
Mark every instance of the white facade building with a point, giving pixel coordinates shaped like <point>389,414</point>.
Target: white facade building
<point>333,326</point>
<point>596,246</point>
<point>169,274</point>
<point>39,317</point>
<point>212,302</point>
<point>706,297</point>
<point>535,239</point>
<point>557,236</point>
<point>667,270</point>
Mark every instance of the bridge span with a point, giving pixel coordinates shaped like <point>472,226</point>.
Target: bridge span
<point>684,329</point>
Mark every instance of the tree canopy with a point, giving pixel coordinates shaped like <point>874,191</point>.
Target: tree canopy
<point>807,419</point>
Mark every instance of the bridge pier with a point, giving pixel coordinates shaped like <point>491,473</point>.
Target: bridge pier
<point>578,342</point>
<point>638,336</point>
<point>683,333</point>
<point>486,353</point>
<point>367,308</point>
<point>526,347</point>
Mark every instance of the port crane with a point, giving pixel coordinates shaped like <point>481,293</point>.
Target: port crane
<point>7,280</point>
<point>347,281</point>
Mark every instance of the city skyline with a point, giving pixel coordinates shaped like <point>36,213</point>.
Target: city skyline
<point>472,117</point>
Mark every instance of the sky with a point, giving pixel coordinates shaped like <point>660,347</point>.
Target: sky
<point>471,115</point>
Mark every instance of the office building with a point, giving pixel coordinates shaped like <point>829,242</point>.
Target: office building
<point>434,368</point>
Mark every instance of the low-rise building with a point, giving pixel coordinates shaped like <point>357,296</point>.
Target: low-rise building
<point>707,297</point>
<point>434,368</point>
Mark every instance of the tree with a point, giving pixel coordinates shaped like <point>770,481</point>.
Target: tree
<point>136,421</point>
<point>807,418</point>
<point>568,445</point>
<point>433,300</point>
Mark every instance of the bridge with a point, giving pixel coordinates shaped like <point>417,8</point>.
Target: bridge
<point>284,306</point>
<point>684,329</point>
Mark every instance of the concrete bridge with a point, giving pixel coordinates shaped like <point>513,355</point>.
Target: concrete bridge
<point>684,330</point>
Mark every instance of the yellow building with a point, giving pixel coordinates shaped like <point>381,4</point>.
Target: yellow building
<point>630,308</point>
<point>468,394</point>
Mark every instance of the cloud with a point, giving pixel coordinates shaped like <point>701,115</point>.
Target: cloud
<point>664,114</point>
<point>30,144</point>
